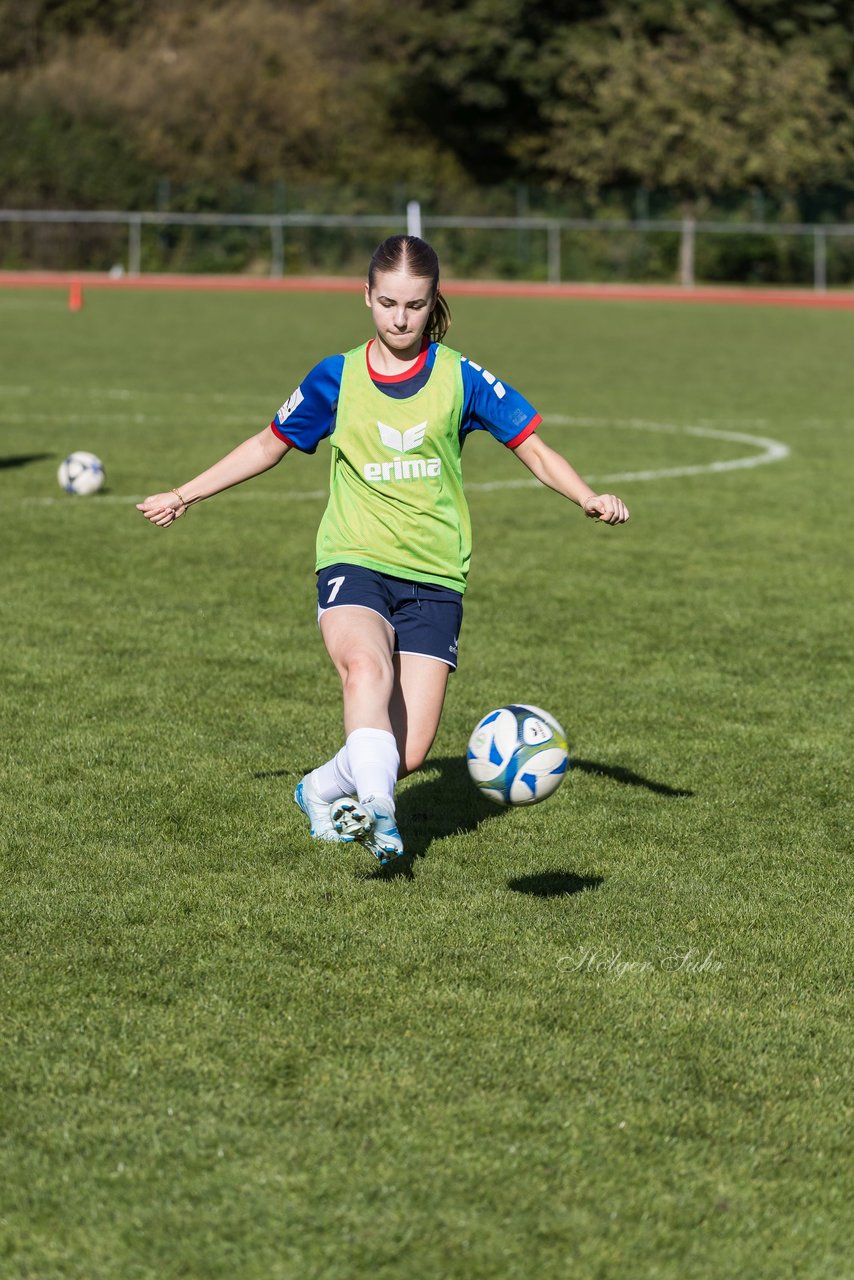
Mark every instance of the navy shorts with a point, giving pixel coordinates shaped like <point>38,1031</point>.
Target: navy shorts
<point>426,619</point>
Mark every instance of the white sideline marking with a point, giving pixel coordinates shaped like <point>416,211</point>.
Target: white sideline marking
<point>769,451</point>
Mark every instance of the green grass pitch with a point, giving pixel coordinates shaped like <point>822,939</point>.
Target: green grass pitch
<point>607,1037</point>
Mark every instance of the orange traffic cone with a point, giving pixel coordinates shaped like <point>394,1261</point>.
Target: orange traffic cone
<point>75,296</point>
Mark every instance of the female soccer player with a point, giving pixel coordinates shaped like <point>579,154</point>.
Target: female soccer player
<point>394,543</point>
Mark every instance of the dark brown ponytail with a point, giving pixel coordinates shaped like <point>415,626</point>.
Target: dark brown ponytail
<point>416,256</point>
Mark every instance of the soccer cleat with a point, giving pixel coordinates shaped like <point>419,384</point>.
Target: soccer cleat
<point>350,819</point>
<point>316,810</point>
<point>372,823</point>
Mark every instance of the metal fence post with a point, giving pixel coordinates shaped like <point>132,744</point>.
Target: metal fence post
<point>413,219</point>
<point>554,253</point>
<point>686,253</point>
<point>134,245</point>
<point>277,242</point>
<point>819,260</point>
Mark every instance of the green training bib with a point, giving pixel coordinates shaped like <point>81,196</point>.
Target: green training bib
<point>396,501</point>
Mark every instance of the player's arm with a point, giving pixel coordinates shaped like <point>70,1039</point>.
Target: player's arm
<point>306,417</point>
<point>510,418</point>
<point>258,453</point>
<point>552,469</point>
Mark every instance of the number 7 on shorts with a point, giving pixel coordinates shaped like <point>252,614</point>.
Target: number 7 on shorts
<point>335,584</point>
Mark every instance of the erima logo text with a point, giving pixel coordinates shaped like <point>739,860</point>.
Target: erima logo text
<point>402,469</point>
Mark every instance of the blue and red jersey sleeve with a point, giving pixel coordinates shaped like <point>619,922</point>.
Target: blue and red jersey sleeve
<point>493,406</point>
<point>308,415</point>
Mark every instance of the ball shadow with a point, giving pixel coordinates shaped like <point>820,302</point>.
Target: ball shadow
<point>554,884</point>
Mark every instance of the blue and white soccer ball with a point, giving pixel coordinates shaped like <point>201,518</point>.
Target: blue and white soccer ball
<point>81,473</point>
<point>517,755</point>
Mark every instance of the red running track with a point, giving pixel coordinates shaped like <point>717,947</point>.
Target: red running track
<point>76,282</point>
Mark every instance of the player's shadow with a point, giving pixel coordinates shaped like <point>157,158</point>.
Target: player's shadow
<point>439,802</point>
<point>625,776</point>
<point>23,459</point>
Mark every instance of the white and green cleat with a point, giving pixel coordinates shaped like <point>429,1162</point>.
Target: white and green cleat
<point>372,823</point>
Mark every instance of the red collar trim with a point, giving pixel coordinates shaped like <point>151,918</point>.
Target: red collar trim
<point>397,377</point>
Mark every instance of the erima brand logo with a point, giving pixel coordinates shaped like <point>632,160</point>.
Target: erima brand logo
<point>402,468</point>
<point>288,407</point>
<point>497,387</point>
<point>402,441</point>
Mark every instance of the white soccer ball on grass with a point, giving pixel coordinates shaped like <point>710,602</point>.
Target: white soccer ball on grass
<point>81,473</point>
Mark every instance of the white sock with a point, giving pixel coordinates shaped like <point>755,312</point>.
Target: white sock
<point>374,762</point>
<point>334,779</point>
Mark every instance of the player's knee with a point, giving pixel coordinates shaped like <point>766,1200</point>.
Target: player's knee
<point>366,669</point>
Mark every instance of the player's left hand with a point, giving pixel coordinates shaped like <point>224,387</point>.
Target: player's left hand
<point>162,509</point>
<point>606,507</point>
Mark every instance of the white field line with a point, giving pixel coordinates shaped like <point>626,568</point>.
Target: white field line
<point>127,394</point>
<point>768,451</point>
<point>252,495</point>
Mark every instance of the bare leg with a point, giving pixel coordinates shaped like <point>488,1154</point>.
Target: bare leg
<point>360,644</point>
<point>392,705</point>
<point>416,706</point>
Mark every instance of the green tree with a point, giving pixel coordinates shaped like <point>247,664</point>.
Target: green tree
<point>251,92</point>
<point>473,74</point>
<point>695,95</point>
<point>708,108</point>
<point>31,29</point>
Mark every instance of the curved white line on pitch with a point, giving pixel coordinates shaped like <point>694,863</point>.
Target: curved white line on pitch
<point>770,451</point>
